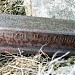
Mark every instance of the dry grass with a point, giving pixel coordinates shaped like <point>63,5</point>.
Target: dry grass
<point>39,64</point>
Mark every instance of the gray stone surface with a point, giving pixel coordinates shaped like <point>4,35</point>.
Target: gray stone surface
<point>37,24</point>
<point>68,70</point>
<point>48,8</point>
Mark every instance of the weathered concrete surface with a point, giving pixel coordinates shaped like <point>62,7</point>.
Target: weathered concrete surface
<point>28,32</point>
<point>39,24</point>
<point>35,8</point>
<point>48,8</point>
<point>28,7</point>
<point>68,70</point>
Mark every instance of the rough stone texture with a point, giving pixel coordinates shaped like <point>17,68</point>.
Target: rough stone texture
<point>35,8</point>
<point>38,8</point>
<point>37,24</point>
<point>28,7</point>
<point>68,70</point>
<point>51,8</point>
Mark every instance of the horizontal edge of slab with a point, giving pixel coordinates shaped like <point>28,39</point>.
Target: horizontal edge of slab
<point>12,18</point>
<point>38,31</point>
<point>34,50</point>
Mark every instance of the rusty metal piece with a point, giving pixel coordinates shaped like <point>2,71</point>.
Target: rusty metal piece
<point>30,33</point>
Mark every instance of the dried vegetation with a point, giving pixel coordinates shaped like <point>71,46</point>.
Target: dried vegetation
<point>39,64</point>
<point>12,7</point>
